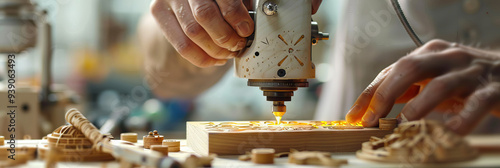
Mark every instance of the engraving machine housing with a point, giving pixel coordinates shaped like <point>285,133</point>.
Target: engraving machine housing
<point>278,59</point>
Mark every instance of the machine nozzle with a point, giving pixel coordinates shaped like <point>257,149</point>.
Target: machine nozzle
<point>278,91</point>
<point>279,109</point>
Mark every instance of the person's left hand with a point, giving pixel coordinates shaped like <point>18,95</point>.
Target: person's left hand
<point>440,76</point>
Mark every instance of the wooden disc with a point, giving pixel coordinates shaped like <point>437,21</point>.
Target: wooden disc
<point>130,137</point>
<point>263,155</point>
<point>174,149</point>
<point>172,143</point>
<point>2,140</point>
<point>387,126</point>
<point>387,121</point>
<point>160,148</point>
<point>152,140</point>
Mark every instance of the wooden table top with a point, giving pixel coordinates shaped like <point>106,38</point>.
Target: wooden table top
<point>489,144</point>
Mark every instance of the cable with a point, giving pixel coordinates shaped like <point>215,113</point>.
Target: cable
<point>405,23</point>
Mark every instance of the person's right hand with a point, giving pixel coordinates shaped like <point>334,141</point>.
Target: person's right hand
<point>205,32</point>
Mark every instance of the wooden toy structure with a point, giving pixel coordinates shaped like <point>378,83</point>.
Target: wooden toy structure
<point>71,145</point>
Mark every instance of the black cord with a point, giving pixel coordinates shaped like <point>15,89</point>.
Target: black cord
<point>405,23</point>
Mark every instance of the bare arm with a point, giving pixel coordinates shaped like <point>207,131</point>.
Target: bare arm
<point>167,73</point>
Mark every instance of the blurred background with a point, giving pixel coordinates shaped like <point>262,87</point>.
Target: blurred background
<point>97,60</point>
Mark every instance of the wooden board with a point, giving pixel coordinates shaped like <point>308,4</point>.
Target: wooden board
<point>234,141</point>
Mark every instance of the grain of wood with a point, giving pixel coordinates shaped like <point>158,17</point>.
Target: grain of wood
<point>237,141</point>
<point>315,158</point>
<point>387,123</point>
<point>263,155</point>
<point>160,148</point>
<point>420,141</point>
<point>2,140</point>
<point>171,143</point>
<point>174,149</point>
<point>152,139</point>
<point>130,137</point>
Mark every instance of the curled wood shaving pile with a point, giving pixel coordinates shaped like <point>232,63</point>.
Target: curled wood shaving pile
<point>420,141</point>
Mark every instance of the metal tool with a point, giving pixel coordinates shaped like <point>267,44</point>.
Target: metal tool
<point>278,55</point>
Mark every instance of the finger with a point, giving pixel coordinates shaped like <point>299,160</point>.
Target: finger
<point>208,15</point>
<point>173,32</point>
<point>409,94</point>
<point>476,107</point>
<point>196,33</point>
<point>409,70</point>
<point>315,5</point>
<point>358,109</point>
<point>459,83</point>
<point>236,14</point>
<point>434,45</point>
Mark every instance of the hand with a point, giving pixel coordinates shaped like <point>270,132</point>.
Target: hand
<point>206,32</point>
<point>439,76</point>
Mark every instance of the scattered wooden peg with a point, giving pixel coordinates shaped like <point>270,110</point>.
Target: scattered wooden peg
<point>194,161</point>
<point>314,158</point>
<point>173,145</point>
<point>263,155</point>
<point>160,148</point>
<point>387,123</point>
<point>130,137</point>
<point>245,157</point>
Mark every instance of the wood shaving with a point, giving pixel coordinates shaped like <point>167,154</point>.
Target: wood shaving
<point>420,141</point>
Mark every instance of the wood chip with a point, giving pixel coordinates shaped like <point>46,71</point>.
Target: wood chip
<point>130,137</point>
<point>314,158</point>
<point>263,155</point>
<point>160,148</point>
<point>420,141</point>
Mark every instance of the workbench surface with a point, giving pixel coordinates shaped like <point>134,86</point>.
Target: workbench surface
<point>490,159</point>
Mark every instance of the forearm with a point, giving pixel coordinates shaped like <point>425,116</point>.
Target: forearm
<point>167,73</point>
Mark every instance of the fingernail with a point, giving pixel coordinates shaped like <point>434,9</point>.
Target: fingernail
<point>239,45</point>
<point>368,117</point>
<point>243,28</point>
<point>349,116</point>
<point>220,62</point>
<point>354,108</point>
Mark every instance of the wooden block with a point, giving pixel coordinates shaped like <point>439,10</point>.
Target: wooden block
<point>160,148</point>
<point>387,123</point>
<point>174,149</point>
<point>206,137</point>
<point>173,145</point>
<point>263,155</point>
<point>152,139</point>
<point>2,140</point>
<point>386,126</point>
<point>130,137</point>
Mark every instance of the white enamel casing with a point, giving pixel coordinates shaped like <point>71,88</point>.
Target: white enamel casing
<point>282,42</point>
